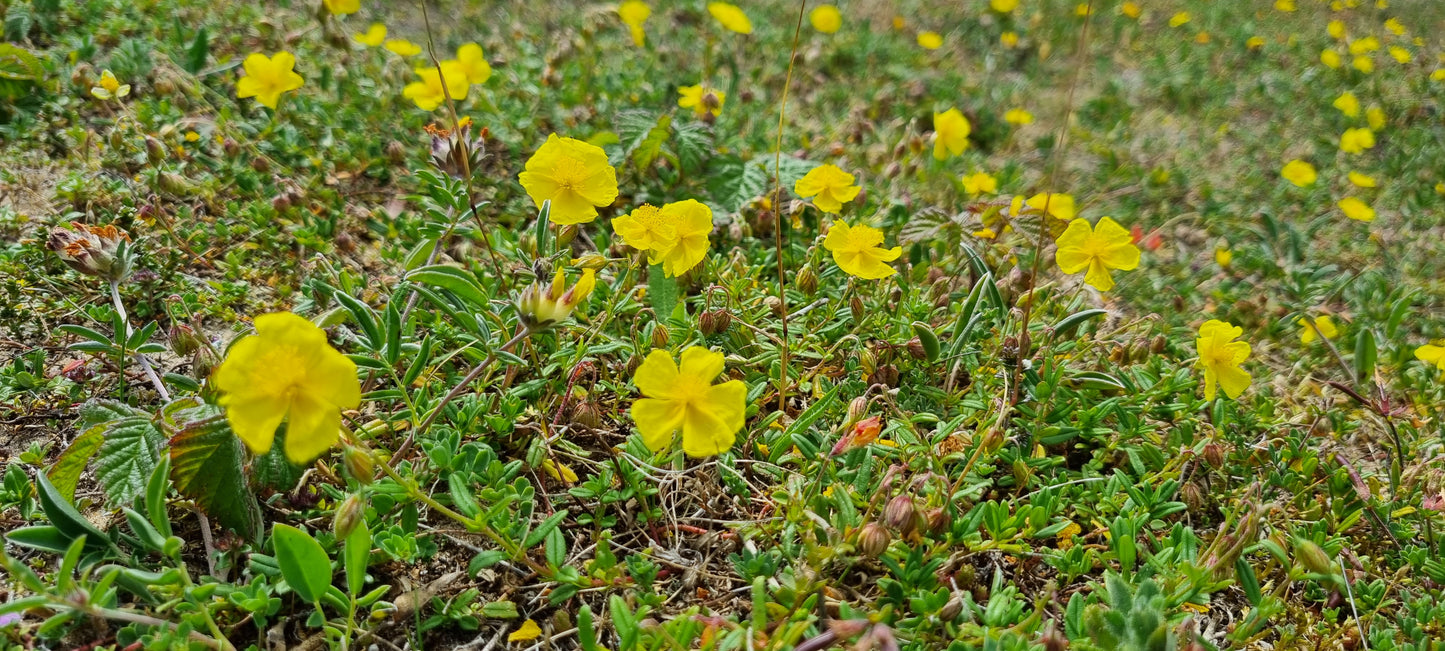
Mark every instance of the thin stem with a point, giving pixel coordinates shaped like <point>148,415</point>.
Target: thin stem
<point>145,620</point>
<point>452,395</point>
<point>140,358</point>
<point>777,211</point>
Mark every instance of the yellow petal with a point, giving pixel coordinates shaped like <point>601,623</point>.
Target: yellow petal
<point>699,362</point>
<point>529,630</point>
<point>254,419</point>
<point>657,376</point>
<point>658,420</point>
<point>312,428</point>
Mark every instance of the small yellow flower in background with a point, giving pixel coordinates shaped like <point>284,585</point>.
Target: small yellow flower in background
<point>1223,256</point>
<point>1361,180</point>
<point>1375,116</point>
<point>287,371</point>
<point>1437,74</point>
<point>1336,28</point>
<point>472,64</point>
<point>980,183</point>
<point>685,400</point>
<point>1201,38</point>
<point>1330,58</point>
<point>826,19</point>
<point>402,47</point>
<point>1299,173</point>
<point>1401,55</point>
<point>1440,188</point>
<point>374,36</point>
<point>192,136</point>
<point>109,87</point>
<point>1348,104</point>
<point>950,133</point>
<point>428,93</point>
<point>701,99</point>
<point>633,14</point>
<point>1431,355</point>
<point>1221,358</point>
<point>1130,9</point>
<point>829,186</point>
<point>1003,6</point>
<point>1364,45</point>
<point>1096,249</point>
<point>930,40</point>
<point>1179,19</point>
<point>1284,5</point>
<point>858,250</point>
<point>1009,39</point>
<point>1018,116</point>
<point>541,306</point>
<point>1364,64</point>
<point>1354,141</point>
<point>1056,204</point>
<point>1082,9</point>
<point>1357,210</point>
<point>691,223</point>
<point>645,229</point>
<point>528,631</point>
<point>342,7</point>
<point>1254,42</point>
<point>268,77</point>
<point>1395,26</point>
<point>731,17</point>
<point>575,176</point>
<point>1323,325</point>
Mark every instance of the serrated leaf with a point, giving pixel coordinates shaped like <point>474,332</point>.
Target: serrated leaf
<point>206,466</point>
<point>733,182</point>
<point>18,64</point>
<point>65,474</point>
<point>693,141</point>
<point>127,457</point>
<point>647,150</point>
<point>99,411</point>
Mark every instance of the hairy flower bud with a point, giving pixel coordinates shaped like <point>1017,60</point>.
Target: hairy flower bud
<point>183,339</point>
<point>916,350</point>
<point>455,152</point>
<point>855,305</point>
<point>807,280</point>
<point>938,520</point>
<point>1192,496</point>
<point>659,336</point>
<point>543,306</point>
<point>951,610</point>
<point>231,147</point>
<point>993,439</point>
<point>713,322</point>
<point>873,539</point>
<point>856,410</point>
<point>349,514</point>
<point>1312,557</point>
<point>868,361</point>
<point>359,464</point>
<point>100,251</point>
<point>155,150</point>
<point>1214,455</point>
<point>901,514</point>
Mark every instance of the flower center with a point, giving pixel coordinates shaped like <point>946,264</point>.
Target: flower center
<point>569,173</point>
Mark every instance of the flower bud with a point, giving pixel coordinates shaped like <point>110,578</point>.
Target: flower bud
<point>873,539</point>
<point>1192,496</point>
<point>1021,473</point>
<point>172,183</point>
<point>712,322</point>
<point>350,514</point>
<point>587,414</point>
<point>543,306</point>
<point>659,336</point>
<point>856,410</point>
<point>1312,557</point>
<point>155,150</point>
<point>951,610</point>
<point>886,375</point>
<point>915,349</point>
<point>868,361</point>
<point>1214,455</point>
<point>775,305</point>
<point>901,514</point>
<point>359,464</point>
<point>183,339</point>
<point>100,251</point>
<point>591,261</point>
<point>938,520</point>
<point>993,439</point>
<point>395,152</point>
<point>204,362</point>
<point>1158,344</point>
<point>231,147</point>
<point>855,305</point>
<point>807,280</point>
<point>260,165</point>
<point>566,235</point>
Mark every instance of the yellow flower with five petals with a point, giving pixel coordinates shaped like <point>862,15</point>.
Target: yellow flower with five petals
<point>268,77</point>
<point>829,186</point>
<point>1222,358</point>
<point>950,133</point>
<point>1096,249</point>
<point>684,400</point>
<point>859,251</point>
<point>575,176</point>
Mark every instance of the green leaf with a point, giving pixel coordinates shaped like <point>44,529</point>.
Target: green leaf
<point>17,64</point>
<point>1365,354</point>
<point>43,537</point>
<point>303,562</point>
<point>206,466</point>
<point>733,182</point>
<point>197,53</point>
<point>156,491</point>
<point>64,516</point>
<point>128,457</point>
<point>541,531</point>
<point>451,279</point>
<point>662,291</point>
<point>1067,325</point>
<point>647,149</point>
<point>273,470</point>
<point>99,411</point>
<point>357,555</point>
<point>65,474</point>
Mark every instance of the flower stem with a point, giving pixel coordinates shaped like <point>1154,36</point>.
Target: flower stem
<point>140,358</point>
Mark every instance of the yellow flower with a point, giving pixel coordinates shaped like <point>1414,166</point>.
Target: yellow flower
<point>702,100</point>
<point>829,186</point>
<point>110,87</point>
<point>472,64</point>
<point>1400,54</point>
<point>1130,9</point>
<point>691,222</point>
<point>1356,209</point>
<point>1299,173</point>
<point>1009,39</point>
<point>1058,205</point>
<point>685,400</point>
<point>1330,58</point>
<point>1179,19</point>
<point>1348,104</point>
<point>633,14</point>
<point>1254,42</point>
<point>1097,249</point>
<point>1323,325</point>
<point>1223,256</point>
<point>1201,38</point>
<point>645,229</point>
<point>1082,9</point>
<point>342,7</point>
<point>1431,355</point>
<point>1284,5</point>
<point>402,47</point>
<point>528,631</point>
<point>980,183</point>
<point>1361,180</point>
<point>1003,6</point>
<point>1018,116</point>
<point>1220,357</point>
<point>287,371</point>
<point>930,40</point>
<point>1395,26</point>
<point>542,306</point>
<point>1364,45</point>
<point>428,93</point>
<point>826,19</point>
<point>731,17</point>
<point>267,78</point>
<point>1336,28</point>
<point>1364,64</point>
<point>859,252</point>
<point>1437,74</point>
<point>1354,141</point>
<point>574,175</point>
<point>372,37</point>
<point>950,133</point>
<point>1376,117</point>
